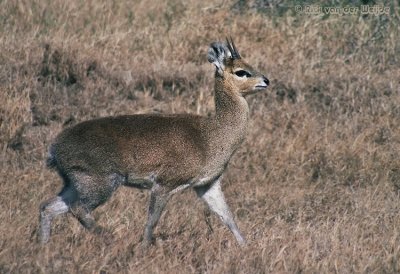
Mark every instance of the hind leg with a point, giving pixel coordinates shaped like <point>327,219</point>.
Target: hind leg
<point>83,214</point>
<point>81,194</point>
<point>92,191</point>
<point>48,210</point>
<point>53,207</point>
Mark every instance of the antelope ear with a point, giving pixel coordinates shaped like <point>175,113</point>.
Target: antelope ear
<point>217,54</point>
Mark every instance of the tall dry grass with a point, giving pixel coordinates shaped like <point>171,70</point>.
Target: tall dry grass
<point>315,187</point>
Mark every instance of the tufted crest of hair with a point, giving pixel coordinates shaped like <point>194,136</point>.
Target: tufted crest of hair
<point>219,53</point>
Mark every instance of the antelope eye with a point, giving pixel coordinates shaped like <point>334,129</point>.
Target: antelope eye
<point>243,73</point>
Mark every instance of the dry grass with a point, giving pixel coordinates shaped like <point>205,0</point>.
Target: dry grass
<point>315,187</point>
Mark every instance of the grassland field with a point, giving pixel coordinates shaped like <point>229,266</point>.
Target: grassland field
<point>315,187</point>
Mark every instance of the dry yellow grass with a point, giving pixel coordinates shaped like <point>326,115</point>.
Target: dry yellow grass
<point>315,187</point>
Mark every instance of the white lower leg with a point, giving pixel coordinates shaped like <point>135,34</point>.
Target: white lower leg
<point>48,211</point>
<point>214,197</point>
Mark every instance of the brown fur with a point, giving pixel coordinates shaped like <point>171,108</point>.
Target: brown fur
<point>166,153</point>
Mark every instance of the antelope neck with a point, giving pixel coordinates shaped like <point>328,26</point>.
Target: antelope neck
<point>230,106</point>
<point>231,113</point>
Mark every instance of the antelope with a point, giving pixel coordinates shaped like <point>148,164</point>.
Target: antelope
<point>165,153</point>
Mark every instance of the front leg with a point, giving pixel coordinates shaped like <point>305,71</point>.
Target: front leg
<point>158,199</point>
<point>213,196</point>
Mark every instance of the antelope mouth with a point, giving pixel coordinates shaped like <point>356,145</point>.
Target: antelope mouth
<point>261,86</point>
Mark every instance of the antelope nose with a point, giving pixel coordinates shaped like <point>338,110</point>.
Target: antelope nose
<point>266,81</point>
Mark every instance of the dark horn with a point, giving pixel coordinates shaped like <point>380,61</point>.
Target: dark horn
<point>232,48</point>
